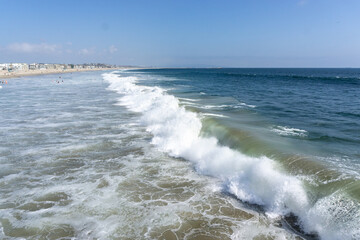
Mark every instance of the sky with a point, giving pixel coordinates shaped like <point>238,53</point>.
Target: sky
<point>182,33</point>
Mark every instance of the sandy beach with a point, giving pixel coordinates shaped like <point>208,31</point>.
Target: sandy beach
<point>6,74</point>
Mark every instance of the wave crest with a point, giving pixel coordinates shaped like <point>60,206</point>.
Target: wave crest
<point>254,180</point>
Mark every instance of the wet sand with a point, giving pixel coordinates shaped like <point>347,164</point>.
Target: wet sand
<point>6,74</point>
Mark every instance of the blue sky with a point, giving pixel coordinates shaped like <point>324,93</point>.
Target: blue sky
<point>196,33</point>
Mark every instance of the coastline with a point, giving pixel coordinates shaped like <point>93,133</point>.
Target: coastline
<point>5,74</point>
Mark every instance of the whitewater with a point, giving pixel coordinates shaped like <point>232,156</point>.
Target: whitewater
<point>259,181</point>
<point>181,154</point>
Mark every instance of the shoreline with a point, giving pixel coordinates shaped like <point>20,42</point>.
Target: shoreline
<point>5,74</point>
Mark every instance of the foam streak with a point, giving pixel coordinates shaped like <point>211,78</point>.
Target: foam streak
<point>255,180</point>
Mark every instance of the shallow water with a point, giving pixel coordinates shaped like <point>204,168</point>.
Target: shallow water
<point>107,157</point>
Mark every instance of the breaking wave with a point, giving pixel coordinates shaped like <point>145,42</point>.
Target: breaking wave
<point>254,180</point>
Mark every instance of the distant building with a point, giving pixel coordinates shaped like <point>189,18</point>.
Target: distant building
<point>23,66</point>
<point>57,66</point>
<point>14,66</point>
<point>33,66</point>
<point>42,66</point>
<point>3,66</point>
<point>50,66</point>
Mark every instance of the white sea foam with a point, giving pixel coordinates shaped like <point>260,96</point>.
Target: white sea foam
<point>189,103</point>
<point>247,105</point>
<point>255,180</point>
<point>288,131</point>
<point>189,99</point>
<point>214,115</point>
<point>219,107</point>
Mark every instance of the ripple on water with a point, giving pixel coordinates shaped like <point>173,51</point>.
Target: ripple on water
<point>94,175</point>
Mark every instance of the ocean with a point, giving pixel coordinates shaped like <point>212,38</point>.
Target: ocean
<point>181,154</point>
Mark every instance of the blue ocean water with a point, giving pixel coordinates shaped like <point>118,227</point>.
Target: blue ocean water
<point>268,134</point>
<point>181,154</point>
<point>318,107</point>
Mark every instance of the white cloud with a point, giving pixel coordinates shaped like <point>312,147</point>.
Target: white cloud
<point>33,48</point>
<point>112,49</point>
<point>87,51</point>
<point>46,48</point>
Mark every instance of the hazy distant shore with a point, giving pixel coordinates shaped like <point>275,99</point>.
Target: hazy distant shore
<point>21,73</point>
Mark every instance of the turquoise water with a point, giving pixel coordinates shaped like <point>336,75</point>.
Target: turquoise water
<point>305,120</point>
<point>181,154</point>
<point>314,106</point>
